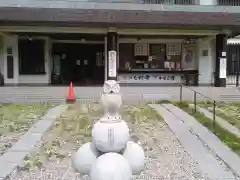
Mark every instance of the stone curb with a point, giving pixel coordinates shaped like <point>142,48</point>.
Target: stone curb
<point>231,159</point>
<point>214,143</point>
<point>26,144</point>
<point>196,149</point>
<point>221,122</point>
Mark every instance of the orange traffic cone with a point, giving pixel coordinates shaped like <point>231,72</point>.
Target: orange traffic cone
<point>71,97</point>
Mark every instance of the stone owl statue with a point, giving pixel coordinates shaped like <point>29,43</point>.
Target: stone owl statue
<point>111,97</point>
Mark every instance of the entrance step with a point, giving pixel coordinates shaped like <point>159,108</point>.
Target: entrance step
<point>54,94</point>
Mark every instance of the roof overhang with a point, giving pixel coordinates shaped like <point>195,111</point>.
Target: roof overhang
<point>120,31</point>
<point>117,18</point>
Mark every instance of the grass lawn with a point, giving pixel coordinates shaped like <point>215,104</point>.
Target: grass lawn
<point>229,139</point>
<point>15,120</point>
<point>74,128</point>
<point>229,112</point>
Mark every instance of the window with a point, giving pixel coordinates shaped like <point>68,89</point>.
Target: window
<point>188,57</point>
<point>228,3</point>
<point>150,56</point>
<point>158,56</point>
<point>31,56</point>
<point>233,59</point>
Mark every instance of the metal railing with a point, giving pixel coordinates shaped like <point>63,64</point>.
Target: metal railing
<point>209,100</point>
<point>228,2</point>
<point>171,2</point>
<point>167,2</point>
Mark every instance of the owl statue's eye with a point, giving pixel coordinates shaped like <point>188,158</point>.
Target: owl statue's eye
<point>116,88</point>
<point>106,88</point>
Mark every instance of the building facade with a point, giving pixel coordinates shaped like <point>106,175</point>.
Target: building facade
<point>157,42</point>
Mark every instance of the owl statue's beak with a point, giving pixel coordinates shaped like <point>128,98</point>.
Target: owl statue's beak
<point>111,92</point>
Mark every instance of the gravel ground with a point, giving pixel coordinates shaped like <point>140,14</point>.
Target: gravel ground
<point>15,120</point>
<point>165,157</point>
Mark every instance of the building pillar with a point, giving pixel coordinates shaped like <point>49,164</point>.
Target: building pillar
<point>221,60</point>
<point>11,63</point>
<point>48,59</point>
<point>2,53</point>
<point>112,39</point>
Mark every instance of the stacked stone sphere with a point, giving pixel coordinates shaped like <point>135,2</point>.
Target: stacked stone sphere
<point>110,155</point>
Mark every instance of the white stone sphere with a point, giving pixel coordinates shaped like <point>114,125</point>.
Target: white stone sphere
<point>111,166</point>
<point>110,136</point>
<point>135,156</point>
<point>83,159</point>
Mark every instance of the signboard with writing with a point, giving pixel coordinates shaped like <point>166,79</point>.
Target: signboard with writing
<point>112,63</point>
<point>151,78</point>
<point>223,68</point>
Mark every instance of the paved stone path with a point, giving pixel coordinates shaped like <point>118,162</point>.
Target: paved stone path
<point>190,133</point>
<point>221,122</point>
<point>16,154</point>
<point>213,142</point>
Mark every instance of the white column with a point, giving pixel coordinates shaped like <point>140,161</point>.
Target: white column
<point>208,2</point>
<point>106,58</point>
<point>48,59</point>
<point>11,42</point>
<point>117,57</point>
<point>206,59</point>
<point>2,53</point>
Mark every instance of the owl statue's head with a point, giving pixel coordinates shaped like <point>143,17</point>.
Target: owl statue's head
<point>111,97</point>
<point>111,87</point>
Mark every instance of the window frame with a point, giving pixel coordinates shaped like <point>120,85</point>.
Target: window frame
<point>26,66</point>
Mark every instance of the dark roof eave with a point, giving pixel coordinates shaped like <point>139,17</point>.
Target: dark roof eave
<point>118,25</point>
<point>117,18</point>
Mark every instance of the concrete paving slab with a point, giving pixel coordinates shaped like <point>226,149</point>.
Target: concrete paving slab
<point>16,154</point>
<point>40,126</point>
<point>26,143</point>
<point>221,122</point>
<point>14,157</point>
<point>6,169</point>
<point>207,162</point>
<point>212,141</point>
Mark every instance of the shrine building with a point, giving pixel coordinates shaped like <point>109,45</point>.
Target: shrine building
<point>151,42</point>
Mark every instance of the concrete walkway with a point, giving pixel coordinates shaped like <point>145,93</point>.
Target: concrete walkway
<point>213,142</point>
<point>221,122</point>
<point>26,144</point>
<point>187,130</point>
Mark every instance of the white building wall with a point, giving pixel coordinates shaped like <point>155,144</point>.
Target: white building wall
<point>206,64</point>
<point>11,41</point>
<point>40,79</point>
<point>208,2</point>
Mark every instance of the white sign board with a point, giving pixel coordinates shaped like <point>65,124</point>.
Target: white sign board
<point>223,68</point>
<point>151,78</point>
<point>112,63</point>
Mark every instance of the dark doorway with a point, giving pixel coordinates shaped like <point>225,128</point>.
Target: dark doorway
<point>82,64</point>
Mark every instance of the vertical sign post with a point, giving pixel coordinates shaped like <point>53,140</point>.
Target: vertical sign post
<point>112,64</point>
<point>223,67</point>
